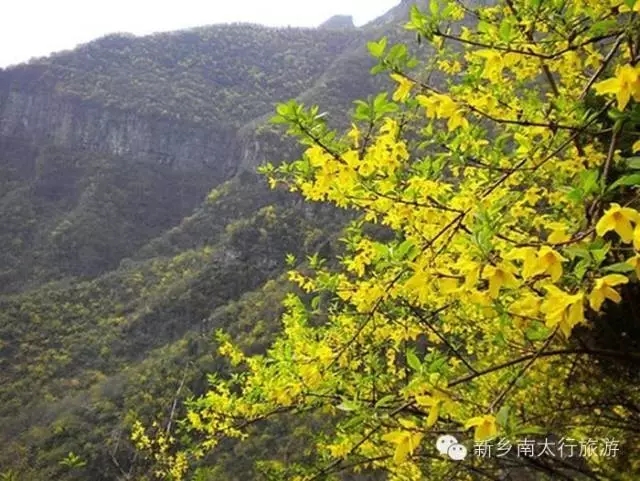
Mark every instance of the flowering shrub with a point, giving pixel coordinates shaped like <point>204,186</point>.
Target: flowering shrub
<point>512,193</point>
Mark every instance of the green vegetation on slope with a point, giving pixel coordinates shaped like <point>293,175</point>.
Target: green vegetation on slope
<point>68,214</point>
<point>73,354</point>
<point>113,280</point>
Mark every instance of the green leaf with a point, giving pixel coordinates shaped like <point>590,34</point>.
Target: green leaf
<point>537,332</point>
<point>531,430</point>
<point>589,181</point>
<point>599,243</point>
<point>380,101</point>
<point>621,267</point>
<point>577,251</point>
<point>404,249</point>
<point>376,69</point>
<point>352,422</point>
<point>633,163</point>
<point>503,416</point>
<point>617,126</point>
<point>382,250</point>
<point>363,111</point>
<point>290,259</point>
<point>483,26</point>
<point>505,30</point>
<point>417,19</point>
<point>283,109</point>
<point>434,7</point>
<point>614,114</point>
<point>499,339</point>
<point>576,195</point>
<point>437,365</point>
<point>376,49</point>
<point>603,26</point>
<point>398,53</point>
<point>385,401</point>
<point>630,180</point>
<point>581,268</point>
<point>348,406</point>
<point>599,255</point>
<point>413,361</point>
<point>382,106</point>
<point>315,302</point>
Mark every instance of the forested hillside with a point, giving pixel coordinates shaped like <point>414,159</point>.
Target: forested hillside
<point>133,227</point>
<point>404,251</point>
<point>80,358</point>
<point>221,74</point>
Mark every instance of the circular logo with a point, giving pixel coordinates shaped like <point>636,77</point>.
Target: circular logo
<point>444,442</point>
<point>457,452</point>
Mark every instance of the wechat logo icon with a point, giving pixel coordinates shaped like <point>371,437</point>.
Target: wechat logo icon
<point>447,445</point>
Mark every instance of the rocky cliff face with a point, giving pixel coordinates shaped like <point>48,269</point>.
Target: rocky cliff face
<point>177,99</point>
<point>39,117</point>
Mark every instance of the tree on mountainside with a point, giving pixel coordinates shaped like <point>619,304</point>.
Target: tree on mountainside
<point>504,309</point>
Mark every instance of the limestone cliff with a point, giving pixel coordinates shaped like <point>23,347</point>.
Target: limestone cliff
<point>40,117</point>
<point>176,98</point>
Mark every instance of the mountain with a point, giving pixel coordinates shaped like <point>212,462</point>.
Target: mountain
<point>133,226</point>
<point>338,22</point>
<point>162,113</point>
<point>176,99</point>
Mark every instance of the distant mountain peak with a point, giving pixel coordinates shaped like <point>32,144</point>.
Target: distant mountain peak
<point>339,21</point>
<point>399,13</point>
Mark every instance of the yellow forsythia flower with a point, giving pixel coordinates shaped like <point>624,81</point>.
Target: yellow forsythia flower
<point>404,87</point>
<point>550,262</point>
<point>527,306</point>
<point>624,85</point>
<point>563,309</point>
<point>354,135</point>
<point>529,260</point>
<point>558,233</point>
<point>406,442</point>
<point>635,263</point>
<point>624,8</point>
<point>486,427</point>
<point>603,289</point>
<point>499,276</point>
<point>618,219</point>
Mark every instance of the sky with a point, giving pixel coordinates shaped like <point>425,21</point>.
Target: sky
<point>33,28</point>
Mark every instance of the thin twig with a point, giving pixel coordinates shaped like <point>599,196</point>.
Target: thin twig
<point>559,352</point>
<point>175,401</point>
<point>442,338</point>
<point>605,62</point>
<point>496,403</point>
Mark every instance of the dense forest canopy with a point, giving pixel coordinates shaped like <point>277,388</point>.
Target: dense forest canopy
<point>218,74</point>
